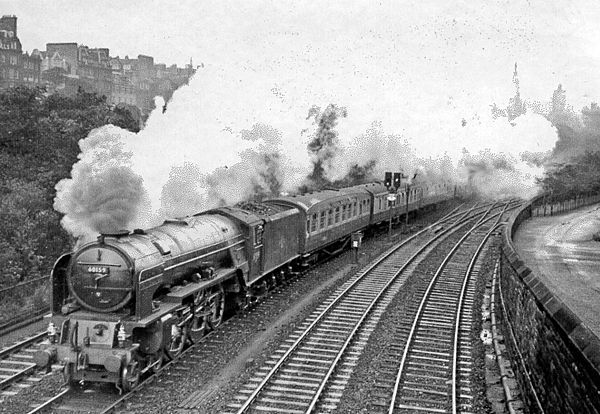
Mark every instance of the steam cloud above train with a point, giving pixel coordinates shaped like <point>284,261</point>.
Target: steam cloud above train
<point>225,138</point>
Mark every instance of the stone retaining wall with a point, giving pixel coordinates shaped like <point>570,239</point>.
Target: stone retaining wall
<point>556,358</point>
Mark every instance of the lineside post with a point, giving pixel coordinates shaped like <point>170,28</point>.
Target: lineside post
<point>391,198</point>
<point>356,241</point>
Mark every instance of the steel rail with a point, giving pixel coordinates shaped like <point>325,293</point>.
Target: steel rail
<point>457,317</point>
<point>148,380</point>
<point>367,312</point>
<point>51,401</point>
<point>422,304</point>
<point>15,347</point>
<point>246,405</point>
<point>318,393</point>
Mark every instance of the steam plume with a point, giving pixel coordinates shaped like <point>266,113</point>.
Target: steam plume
<point>234,135</point>
<point>104,193</point>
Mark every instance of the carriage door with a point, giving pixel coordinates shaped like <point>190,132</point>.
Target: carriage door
<point>257,250</point>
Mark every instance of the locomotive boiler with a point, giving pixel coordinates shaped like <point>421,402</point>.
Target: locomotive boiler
<point>125,303</point>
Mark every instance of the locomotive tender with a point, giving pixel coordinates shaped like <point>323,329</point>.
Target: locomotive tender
<point>123,304</point>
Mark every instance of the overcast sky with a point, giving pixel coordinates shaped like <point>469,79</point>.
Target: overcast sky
<point>466,46</point>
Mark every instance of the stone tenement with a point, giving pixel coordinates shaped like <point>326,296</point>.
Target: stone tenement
<point>561,355</point>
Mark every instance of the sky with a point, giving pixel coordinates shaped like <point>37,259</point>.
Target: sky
<point>469,46</point>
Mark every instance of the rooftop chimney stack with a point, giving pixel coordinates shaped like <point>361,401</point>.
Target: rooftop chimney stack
<point>9,23</point>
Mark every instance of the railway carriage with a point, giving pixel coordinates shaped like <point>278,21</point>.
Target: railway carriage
<point>330,216</point>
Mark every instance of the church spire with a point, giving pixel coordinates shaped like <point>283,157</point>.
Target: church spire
<point>516,79</point>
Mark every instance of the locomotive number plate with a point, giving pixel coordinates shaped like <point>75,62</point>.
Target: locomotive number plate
<point>98,269</point>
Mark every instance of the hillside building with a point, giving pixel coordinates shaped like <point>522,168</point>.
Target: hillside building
<point>16,68</point>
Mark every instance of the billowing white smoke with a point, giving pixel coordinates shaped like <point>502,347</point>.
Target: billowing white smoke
<point>500,158</point>
<point>505,158</point>
<point>231,134</point>
<point>105,194</point>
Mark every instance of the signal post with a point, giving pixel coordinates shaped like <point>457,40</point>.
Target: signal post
<point>392,183</point>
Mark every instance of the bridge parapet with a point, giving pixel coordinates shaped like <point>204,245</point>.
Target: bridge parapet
<point>557,358</point>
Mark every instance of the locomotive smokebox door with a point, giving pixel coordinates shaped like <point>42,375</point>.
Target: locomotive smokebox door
<point>356,239</point>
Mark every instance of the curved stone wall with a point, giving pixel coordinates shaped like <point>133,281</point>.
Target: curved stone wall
<point>556,357</point>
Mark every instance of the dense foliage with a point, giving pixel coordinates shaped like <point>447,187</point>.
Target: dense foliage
<point>576,159</point>
<point>581,175</point>
<point>39,138</point>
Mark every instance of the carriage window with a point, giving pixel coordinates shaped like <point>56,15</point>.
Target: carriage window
<point>337,214</point>
<point>354,209</point>
<point>360,205</point>
<point>379,203</point>
<point>322,220</point>
<point>308,225</point>
<point>313,223</point>
<point>344,208</point>
<point>330,217</point>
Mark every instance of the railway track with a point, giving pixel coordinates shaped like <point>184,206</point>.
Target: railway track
<point>310,371</point>
<point>17,367</point>
<point>104,398</point>
<point>436,360</point>
<point>98,400</point>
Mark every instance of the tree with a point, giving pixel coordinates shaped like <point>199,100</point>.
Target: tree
<point>324,144</point>
<point>39,138</point>
<point>580,175</point>
<point>591,118</point>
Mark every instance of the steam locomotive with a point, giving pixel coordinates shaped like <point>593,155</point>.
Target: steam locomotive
<point>127,302</point>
